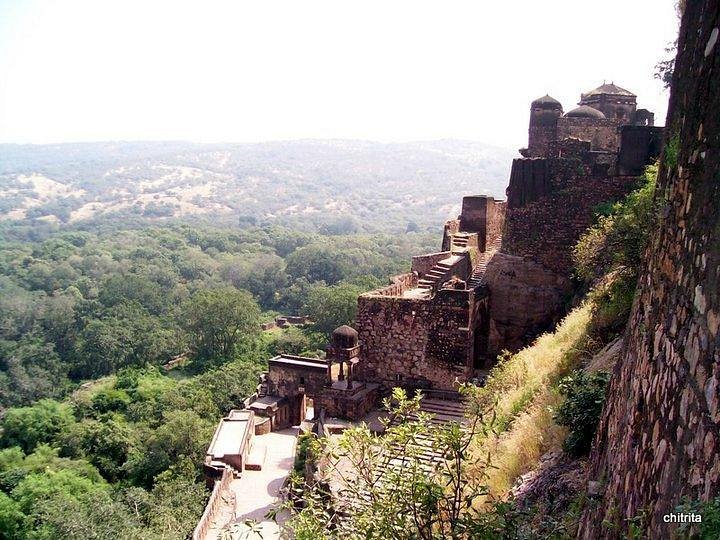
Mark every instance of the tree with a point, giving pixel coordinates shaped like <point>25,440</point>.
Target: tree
<point>384,486</point>
<point>106,444</point>
<point>319,262</point>
<point>29,426</point>
<point>124,335</point>
<point>290,341</point>
<point>219,322</point>
<point>330,307</point>
<point>30,369</point>
<point>183,434</point>
<point>12,520</point>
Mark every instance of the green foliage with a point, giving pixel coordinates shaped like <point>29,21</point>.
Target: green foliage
<point>671,151</point>
<point>580,412</point>
<point>612,301</point>
<point>303,451</point>
<point>619,238</point>
<point>709,528</point>
<point>289,341</point>
<point>219,322</point>
<point>330,307</point>
<point>183,434</point>
<point>389,488</point>
<point>27,427</point>
<point>12,520</point>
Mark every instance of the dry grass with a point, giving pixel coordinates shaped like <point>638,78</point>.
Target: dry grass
<point>522,395</point>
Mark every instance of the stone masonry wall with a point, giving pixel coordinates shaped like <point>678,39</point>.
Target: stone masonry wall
<point>601,132</point>
<point>398,285</point>
<point>421,339</point>
<point>452,226</point>
<point>284,381</point>
<point>496,223</point>
<point>551,219</point>
<point>659,436</point>
<point>422,264</point>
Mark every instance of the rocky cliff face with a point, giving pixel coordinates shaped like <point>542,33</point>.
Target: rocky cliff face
<point>523,295</point>
<point>659,438</point>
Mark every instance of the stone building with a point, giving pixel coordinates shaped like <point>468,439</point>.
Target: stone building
<point>503,273</point>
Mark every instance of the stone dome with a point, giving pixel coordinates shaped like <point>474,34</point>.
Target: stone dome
<point>345,337</point>
<point>546,102</point>
<point>583,111</point>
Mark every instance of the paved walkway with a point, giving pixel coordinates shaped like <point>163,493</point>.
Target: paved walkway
<point>257,492</point>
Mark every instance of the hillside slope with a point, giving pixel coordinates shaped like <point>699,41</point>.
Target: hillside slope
<point>336,183</point>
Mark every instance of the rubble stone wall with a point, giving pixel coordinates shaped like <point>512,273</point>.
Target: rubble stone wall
<point>422,339</point>
<point>422,264</point>
<point>547,213</point>
<point>602,133</point>
<point>659,437</point>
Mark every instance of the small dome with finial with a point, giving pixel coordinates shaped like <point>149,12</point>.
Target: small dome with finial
<point>345,337</point>
<point>546,102</point>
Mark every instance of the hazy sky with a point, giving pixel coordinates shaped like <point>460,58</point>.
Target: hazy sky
<point>257,70</point>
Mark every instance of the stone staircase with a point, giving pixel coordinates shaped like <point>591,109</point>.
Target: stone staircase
<point>478,275</point>
<point>459,242</point>
<point>424,450</point>
<point>431,281</point>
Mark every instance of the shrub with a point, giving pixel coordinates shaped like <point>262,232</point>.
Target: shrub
<point>580,412</point>
<point>618,238</point>
<point>710,512</point>
<point>303,452</point>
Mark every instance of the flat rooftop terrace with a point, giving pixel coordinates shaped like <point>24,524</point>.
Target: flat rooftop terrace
<point>230,435</point>
<point>301,361</point>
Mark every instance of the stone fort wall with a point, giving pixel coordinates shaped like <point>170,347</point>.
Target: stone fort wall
<point>602,133</point>
<point>658,441</point>
<point>424,340</point>
<point>551,202</point>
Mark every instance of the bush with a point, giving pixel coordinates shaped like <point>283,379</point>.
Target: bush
<point>619,238</point>
<point>580,412</point>
<point>303,452</point>
<point>709,529</point>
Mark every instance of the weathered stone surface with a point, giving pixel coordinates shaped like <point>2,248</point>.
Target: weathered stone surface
<point>658,437</point>
<point>525,299</point>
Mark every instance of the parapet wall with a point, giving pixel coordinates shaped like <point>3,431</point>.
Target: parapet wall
<point>427,340</point>
<point>422,264</point>
<point>551,202</point>
<point>398,285</point>
<point>602,133</point>
<point>452,227</point>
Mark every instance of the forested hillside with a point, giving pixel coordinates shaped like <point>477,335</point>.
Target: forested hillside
<point>328,185</point>
<point>100,439</point>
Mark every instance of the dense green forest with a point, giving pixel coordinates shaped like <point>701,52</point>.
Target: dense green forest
<point>99,439</point>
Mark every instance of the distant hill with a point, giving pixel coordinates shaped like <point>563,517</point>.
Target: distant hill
<point>339,185</point>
